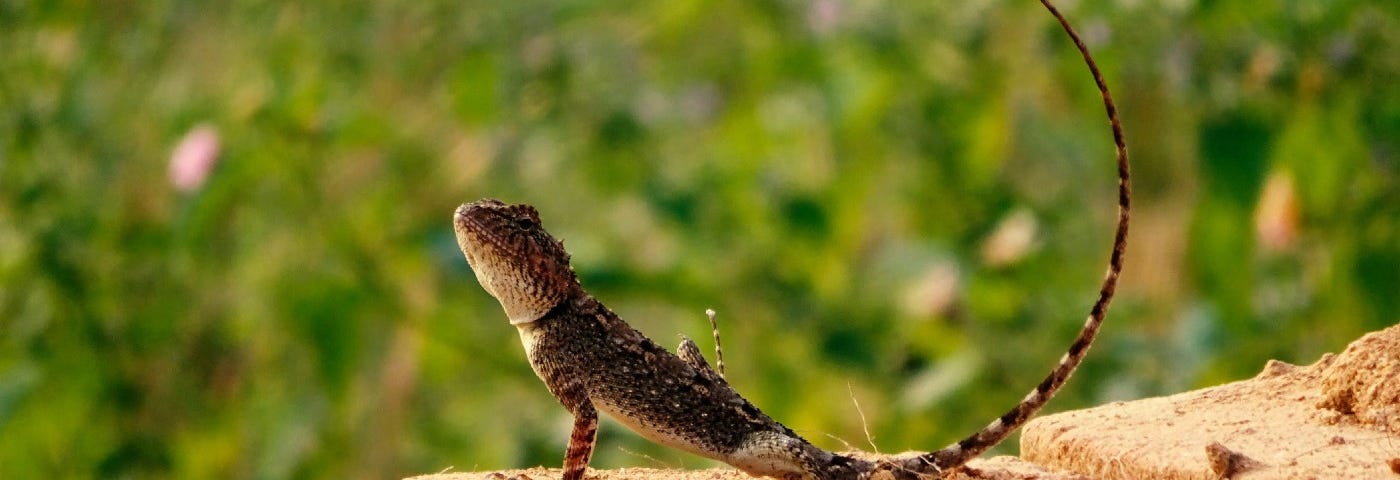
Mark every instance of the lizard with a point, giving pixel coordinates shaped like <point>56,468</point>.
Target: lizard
<point>592,361</point>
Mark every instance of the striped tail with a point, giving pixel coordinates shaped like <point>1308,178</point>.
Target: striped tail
<point>957,454</point>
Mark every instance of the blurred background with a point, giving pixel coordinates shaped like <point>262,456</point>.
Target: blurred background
<point>226,247</point>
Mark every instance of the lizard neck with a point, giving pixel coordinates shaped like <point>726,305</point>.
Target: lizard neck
<point>523,310</point>
<point>531,330</point>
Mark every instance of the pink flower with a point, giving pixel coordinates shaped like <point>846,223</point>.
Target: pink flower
<point>194,158</point>
<point>824,15</point>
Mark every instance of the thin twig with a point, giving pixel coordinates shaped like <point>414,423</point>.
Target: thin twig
<point>863,424</point>
<point>648,457</point>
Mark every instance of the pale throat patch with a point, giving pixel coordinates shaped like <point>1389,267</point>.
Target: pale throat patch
<point>524,310</point>
<point>527,338</point>
<point>518,310</point>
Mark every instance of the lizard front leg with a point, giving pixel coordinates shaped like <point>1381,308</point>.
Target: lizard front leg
<point>581,440</point>
<point>572,394</point>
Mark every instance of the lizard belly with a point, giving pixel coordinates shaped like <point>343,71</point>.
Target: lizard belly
<point>761,454</point>
<point>660,434</point>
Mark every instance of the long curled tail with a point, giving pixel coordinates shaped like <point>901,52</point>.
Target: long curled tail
<point>959,453</point>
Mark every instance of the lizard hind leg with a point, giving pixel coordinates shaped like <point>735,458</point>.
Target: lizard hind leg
<point>581,441</point>
<point>690,354</point>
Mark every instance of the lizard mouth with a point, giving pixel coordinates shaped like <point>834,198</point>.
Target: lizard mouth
<point>470,234</point>
<point>460,215</point>
<point>473,235</point>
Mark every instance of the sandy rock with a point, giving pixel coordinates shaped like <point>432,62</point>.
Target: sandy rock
<point>1336,418</point>
<point>1363,383</point>
<point>996,468</point>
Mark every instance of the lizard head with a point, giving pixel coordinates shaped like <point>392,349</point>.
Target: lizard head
<point>515,260</point>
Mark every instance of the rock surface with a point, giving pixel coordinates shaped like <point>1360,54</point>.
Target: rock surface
<point>996,468</point>
<point>1338,418</point>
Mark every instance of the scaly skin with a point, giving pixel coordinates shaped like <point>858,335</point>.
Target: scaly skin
<point>593,361</point>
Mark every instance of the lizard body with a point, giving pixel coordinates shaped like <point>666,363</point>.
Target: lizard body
<point>592,361</point>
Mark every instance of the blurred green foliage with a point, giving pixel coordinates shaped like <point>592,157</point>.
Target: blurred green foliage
<point>903,203</point>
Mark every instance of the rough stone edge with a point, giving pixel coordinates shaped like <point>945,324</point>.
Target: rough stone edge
<point>1360,387</point>
<point>1172,437</point>
<point>995,468</point>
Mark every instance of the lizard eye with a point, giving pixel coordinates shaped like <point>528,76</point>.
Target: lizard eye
<point>526,223</point>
